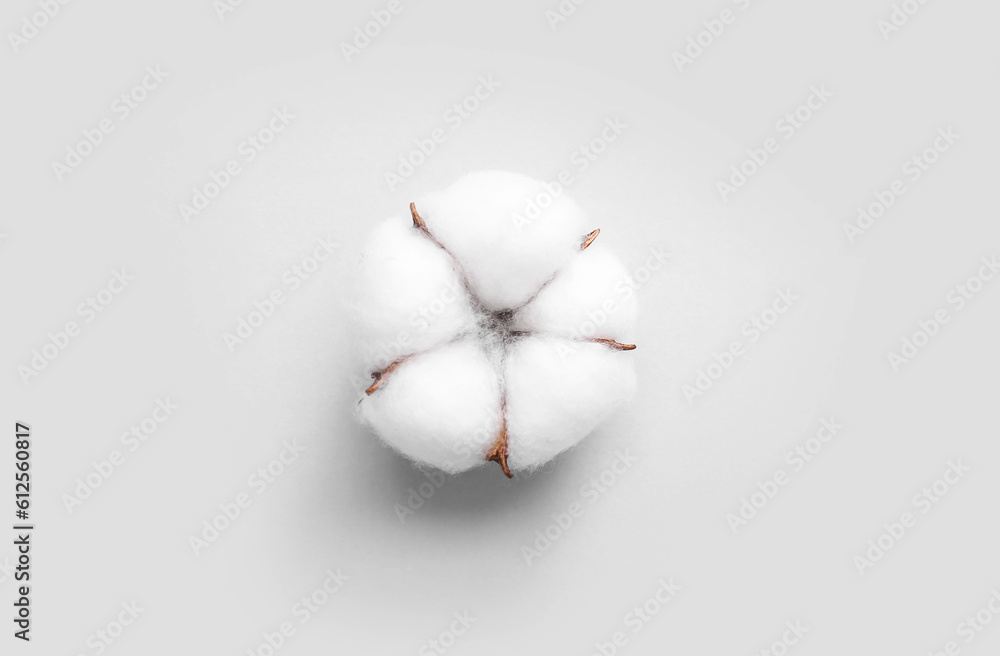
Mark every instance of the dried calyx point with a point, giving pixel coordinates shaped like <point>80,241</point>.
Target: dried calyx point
<point>418,222</point>
<point>618,346</point>
<point>498,453</point>
<point>379,376</point>
<point>588,239</point>
<point>498,323</point>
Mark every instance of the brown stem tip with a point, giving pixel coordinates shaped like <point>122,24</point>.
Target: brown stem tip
<point>418,222</point>
<point>498,453</point>
<point>379,376</point>
<point>589,238</point>
<point>421,225</point>
<point>618,346</point>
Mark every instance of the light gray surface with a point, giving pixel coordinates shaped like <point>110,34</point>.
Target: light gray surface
<point>323,177</point>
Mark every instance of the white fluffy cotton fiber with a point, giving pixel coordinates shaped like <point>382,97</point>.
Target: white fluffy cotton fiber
<point>491,334</point>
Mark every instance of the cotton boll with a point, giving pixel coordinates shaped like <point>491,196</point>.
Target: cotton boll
<point>585,300</point>
<point>406,286</point>
<point>483,219</point>
<point>512,367</point>
<point>558,391</point>
<point>440,408</point>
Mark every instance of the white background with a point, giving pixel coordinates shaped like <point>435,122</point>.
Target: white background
<point>463,550</point>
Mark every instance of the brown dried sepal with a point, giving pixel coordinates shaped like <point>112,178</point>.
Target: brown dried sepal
<point>498,453</point>
<point>379,376</point>
<point>589,238</point>
<point>418,221</point>
<point>618,346</point>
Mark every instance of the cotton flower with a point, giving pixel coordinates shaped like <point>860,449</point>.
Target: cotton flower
<point>491,336</point>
